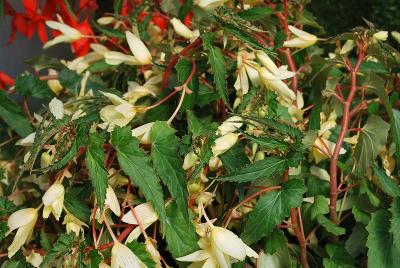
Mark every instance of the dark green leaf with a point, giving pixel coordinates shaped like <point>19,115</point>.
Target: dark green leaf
<point>263,169</point>
<point>185,9</point>
<point>271,209</point>
<point>330,226</point>
<point>3,229</point>
<point>275,241</point>
<point>217,62</point>
<point>62,246</point>
<point>7,207</point>
<point>44,62</point>
<point>338,257</point>
<point>319,207</point>
<point>371,140</point>
<point>396,133</point>
<point>195,125</point>
<point>234,158</point>
<point>95,259</point>
<point>76,207</point>
<point>110,32</point>
<point>256,13</point>
<point>269,143</point>
<point>13,116</point>
<point>29,85</point>
<point>360,216</point>
<point>135,163</point>
<point>140,251</point>
<point>395,222</point>
<point>381,249</point>
<point>95,164</point>
<point>166,160</point>
<point>387,184</point>
<point>179,233</point>
<point>184,68</point>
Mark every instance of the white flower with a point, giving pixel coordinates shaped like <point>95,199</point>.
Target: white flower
<point>281,73</point>
<point>190,160</point>
<point>224,143</point>
<point>99,49</point>
<point>274,83</point>
<point>120,113</point>
<point>56,108</point>
<point>123,257</point>
<point>302,39</point>
<point>112,201</point>
<point>146,215</point>
<point>35,259</point>
<point>27,141</point>
<point>68,35</point>
<point>54,84</point>
<point>105,20</point>
<point>230,125</point>
<point>24,220</point>
<point>116,58</point>
<point>210,4</point>
<point>46,159</point>
<point>143,133</point>
<point>381,35</point>
<point>181,29</point>
<point>246,69</point>
<point>73,224</point>
<point>396,36</point>
<point>347,47</point>
<point>220,248</point>
<point>79,64</point>
<point>53,200</point>
<point>138,48</point>
<point>136,91</point>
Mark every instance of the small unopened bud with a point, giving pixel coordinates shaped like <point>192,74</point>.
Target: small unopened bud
<point>105,20</point>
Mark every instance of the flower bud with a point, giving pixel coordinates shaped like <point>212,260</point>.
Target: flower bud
<point>381,35</point>
<point>190,160</point>
<point>105,20</point>
<point>230,125</point>
<point>53,200</point>
<point>181,29</point>
<point>224,143</point>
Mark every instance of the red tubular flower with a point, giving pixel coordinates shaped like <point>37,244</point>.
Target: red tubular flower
<point>5,80</point>
<point>188,19</point>
<point>82,46</point>
<point>160,21</point>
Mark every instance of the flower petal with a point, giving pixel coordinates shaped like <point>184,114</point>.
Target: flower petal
<point>145,212</point>
<point>196,256</point>
<point>228,242</point>
<point>21,218</point>
<point>138,48</point>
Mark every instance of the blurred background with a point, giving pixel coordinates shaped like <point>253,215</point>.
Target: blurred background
<point>334,15</point>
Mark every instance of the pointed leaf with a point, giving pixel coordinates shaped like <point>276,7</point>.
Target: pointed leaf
<point>388,185</point>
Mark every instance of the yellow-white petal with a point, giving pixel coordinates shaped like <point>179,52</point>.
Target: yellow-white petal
<point>35,259</point>
<point>224,143</point>
<point>144,211</point>
<point>105,20</point>
<point>381,35</point>
<point>21,218</point>
<point>190,160</point>
<point>27,141</point>
<point>116,58</point>
<point>196,256</point>
<point>112,201</point>
<point>70,32</point>
<point>210,4</point>
<point>266,61</point>
<point>138,48</point>
<point>99,49</point>
<point>347,47</point>
<point>123,257</point>
<point>56,108</point>
<point>57,40</point>
<point>273,83</point>
<point>181,29</point>
<point>143,133</point>
<point>232,124</point>
<point>23,234</point>
<point>228,242</point>
<point>302,34</point>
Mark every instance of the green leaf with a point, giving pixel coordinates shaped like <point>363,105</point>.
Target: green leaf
<point>95,259</point>
<point>275,241</point>
<point>44,62</point>
<point>338,257</point>
<point>360,216</point>
<point>320,206</point>
<point>7,207</point>
<point>396,133</point>
<point>62,246</point>
<point>180,234</point>
<point>205,153</point>
<point>217,62</point>
<point>330,226</point>
<point>269,143</point>
<point>72,81</point>
<point>140,251</point>
<point>381,249</point>
<point>387,184</point>
<point>184,69</point>
<point>395,222</point>
<point>77,207</point>
<point>110,32</point>
<point>256,13</point>
<point>29,85</point>
<point>135,163</point>
<point>195,125</point>
<point>168,163</point>
<point>117,6</point>
<point>371,140</point>
<point>263,169</point>
<point>271,209</point>
<point>185,9</point>
<point>235,158</point>
<point>3,229</point>
<point>13,116</point>
<point>95,164</point>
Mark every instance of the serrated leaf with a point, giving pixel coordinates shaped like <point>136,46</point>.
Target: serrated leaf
<point>62,246</point>
<point>263,169</point>
<point>204,154</point>
<point>235,158</point>
<point>3,229</point>
<point>256,13</point>
<point>320,206</point>
<point>395,221</point>
<point>360,216</point>
<point>139,249</point>
<point>195,125</point>
<point>135,163</point>
<point>29,85</point>
<point>110,32</point>
<point>184,69</point>
<point>330,226</point>
<point>44,62</point>
<point>338,257</point>
<point>217,62</point>
<point>271,209</point>
<point>396,132</point>
<point>380,242</point>
<point>371,140</point>
<point>76,207</point>
<point>269,143</point>
<point>7,207</point>
<point>180,234</point>
<point>95,164</point>
<point>13,116</point>
<point>95,259</point>
<point>275,241</point>
<point>387,184</point>
<point>168,163</point>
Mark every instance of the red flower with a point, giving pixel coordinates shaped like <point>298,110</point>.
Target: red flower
<point>160,21</point>
<point>82,46</point>
<point>5,80</point>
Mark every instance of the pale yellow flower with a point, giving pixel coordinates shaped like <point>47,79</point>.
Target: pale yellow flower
<point>210,4</point>
<point>381,35</point>
<point>190,160</point>
<point>35,259</point>
<point>105,20</point>
<point>147,216</point>
<point>181,29</point>
<point>231,124</point>
<point>274,83</point>
<point>53,200</point>
<point>123,257</point>
<point>68,35</point>
<point>24,220</point>
<point>143,133</point>
<point>73,224</point>
<point>224,143</point>
<point>302,39</point>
